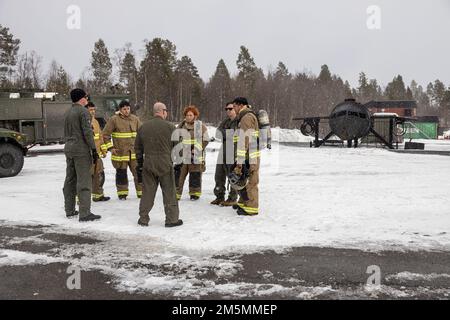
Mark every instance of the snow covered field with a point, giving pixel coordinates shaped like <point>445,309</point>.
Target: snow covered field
<point>365,198</point>
<point>369,199</point>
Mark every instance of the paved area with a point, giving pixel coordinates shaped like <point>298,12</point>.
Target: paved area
<point>304,273</point>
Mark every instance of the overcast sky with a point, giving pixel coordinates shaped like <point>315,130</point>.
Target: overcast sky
<point>414,38</point>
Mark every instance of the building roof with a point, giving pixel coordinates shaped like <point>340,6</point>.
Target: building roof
<point>389,104</point>
<point>434,119</point>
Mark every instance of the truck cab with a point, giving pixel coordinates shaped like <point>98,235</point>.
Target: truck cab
<point>40,116</point>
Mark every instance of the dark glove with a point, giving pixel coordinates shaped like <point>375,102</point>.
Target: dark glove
<point>95,156</point>
<point>177,167</point>
<point>139,174</point>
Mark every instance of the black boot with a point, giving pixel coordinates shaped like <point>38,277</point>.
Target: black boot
<point>242,212</point>
<point>122,197</point>
<point>90,217</point>
<point>195,198</point>
<point>102,198</point>
<point>143,224</point>
<point>218,201</point>
<point>175,224</point>
<point>72,214</point>
<point>229,203</point>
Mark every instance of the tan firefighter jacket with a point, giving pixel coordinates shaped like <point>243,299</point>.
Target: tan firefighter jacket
<point>246,137</point>
<point>198,143</point>
<point>98,138</point>
<point>123,131</point>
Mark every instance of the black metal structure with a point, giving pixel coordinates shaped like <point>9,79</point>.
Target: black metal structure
<point>351,121</point>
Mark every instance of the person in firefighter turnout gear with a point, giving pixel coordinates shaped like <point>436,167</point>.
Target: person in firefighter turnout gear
<point>225,159</point>
<point>247,158</point>
<point>98,174</point>
<point>122,129</point>
<point>194,138</point>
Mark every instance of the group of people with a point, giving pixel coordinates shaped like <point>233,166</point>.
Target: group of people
<point>159,154</point>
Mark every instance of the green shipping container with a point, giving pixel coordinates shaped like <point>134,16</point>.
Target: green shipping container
<point>421,130</point>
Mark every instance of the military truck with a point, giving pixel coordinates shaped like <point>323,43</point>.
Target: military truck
<point>12,151</point>
<point>40,116</point>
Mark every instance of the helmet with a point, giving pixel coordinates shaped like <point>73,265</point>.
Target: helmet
<point>237,182</point>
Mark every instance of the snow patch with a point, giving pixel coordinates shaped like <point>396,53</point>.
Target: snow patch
<point>20,258</point>
<point>409,276</point>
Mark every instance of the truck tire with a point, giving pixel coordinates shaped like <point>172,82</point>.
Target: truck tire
<point>11,160</point>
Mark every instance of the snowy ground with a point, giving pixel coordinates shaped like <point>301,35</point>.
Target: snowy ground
<point>367,199</point>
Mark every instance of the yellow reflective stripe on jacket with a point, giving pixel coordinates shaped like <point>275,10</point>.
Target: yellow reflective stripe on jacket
<point>252,155</point>
<point>108,145</point>
<point>124,135</point>
<point>104,147</point>
<point>250,210</point>
<point>123,158</point>
<point>119,158</point>
<point>193,142</point>
<point>256,134</point>
<point>198,145</point>
<point>235,138</point>
<point>97,136</point>
<point>241,153</point>
<point>255,154</point>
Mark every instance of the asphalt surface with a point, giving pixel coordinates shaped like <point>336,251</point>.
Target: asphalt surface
<point>305,272</point>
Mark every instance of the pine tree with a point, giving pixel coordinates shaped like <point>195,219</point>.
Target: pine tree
<point>324,75</point>
<point>409,95</point>
<point>438,92</point>
<point>129,75</point>
<point>348,90</point>
<point>363,85</point>
<point>282,72</point>
<point>395,90</point>
<point>9,47</point>
<point>245,63</point>
<point>188,84</point>
<point>248,74</point>
<point>446,100</point>
<point>279,85</point>
<point>101,67</point>
<point>218,92</point>
<point>156,74</point>
<point>418,94</point>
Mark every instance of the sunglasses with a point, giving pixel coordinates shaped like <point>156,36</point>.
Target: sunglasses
<point>228,109</point>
